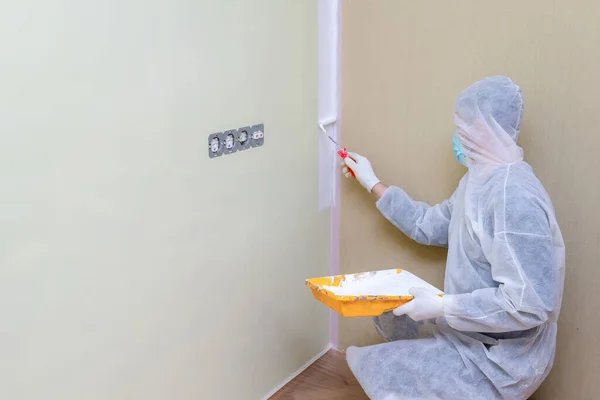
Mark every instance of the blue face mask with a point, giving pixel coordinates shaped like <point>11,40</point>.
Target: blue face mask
<point>459,152</point>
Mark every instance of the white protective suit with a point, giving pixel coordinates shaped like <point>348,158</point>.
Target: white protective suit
<point>504,273</point>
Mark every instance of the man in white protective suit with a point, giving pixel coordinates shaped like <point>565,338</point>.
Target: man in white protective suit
<point>494,330</point>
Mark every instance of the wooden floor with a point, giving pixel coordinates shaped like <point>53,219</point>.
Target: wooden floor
<point>329,378</point>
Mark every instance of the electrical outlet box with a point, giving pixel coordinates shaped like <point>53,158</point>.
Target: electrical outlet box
<point>234,140</point>
<point>215,145</point>
<point>229,141</point>
<point>244,139</point>
<point>257,135</point>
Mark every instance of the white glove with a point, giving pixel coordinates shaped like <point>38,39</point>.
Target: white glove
<point>361,168</point>
<point>425,305</point>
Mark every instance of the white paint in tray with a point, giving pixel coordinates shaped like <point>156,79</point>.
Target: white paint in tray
<point>379,283</point>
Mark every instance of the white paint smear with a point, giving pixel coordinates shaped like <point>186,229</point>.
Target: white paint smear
<point>379,283</point>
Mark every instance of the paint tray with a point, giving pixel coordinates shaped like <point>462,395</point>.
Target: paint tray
<point>360,305</point>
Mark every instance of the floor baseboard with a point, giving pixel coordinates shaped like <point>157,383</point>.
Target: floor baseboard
<point>298,372</point>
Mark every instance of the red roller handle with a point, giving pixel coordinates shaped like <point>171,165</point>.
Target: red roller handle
<point>344,154</point>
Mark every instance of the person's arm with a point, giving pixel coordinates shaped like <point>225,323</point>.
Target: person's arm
<point>419,221</point>
<point>523,260</point>
<point>378,190</point>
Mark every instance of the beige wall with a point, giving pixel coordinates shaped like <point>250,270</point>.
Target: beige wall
<point>131,265</point>
<point>403,65</point>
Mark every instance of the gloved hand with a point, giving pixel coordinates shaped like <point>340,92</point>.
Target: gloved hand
<point>425,305</point>
<point>362,169</point>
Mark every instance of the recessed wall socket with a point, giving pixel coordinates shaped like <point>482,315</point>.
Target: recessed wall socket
<point>257,135</point>
<point>244,139</point>
<point>229,141</point>
<point>215,145</point>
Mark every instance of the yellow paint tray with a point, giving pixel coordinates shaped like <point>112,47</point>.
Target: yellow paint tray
<point>355,306</point>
